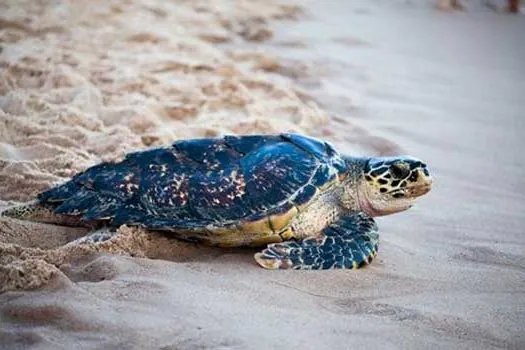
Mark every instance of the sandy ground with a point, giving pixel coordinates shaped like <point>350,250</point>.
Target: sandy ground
<point>82,84</point>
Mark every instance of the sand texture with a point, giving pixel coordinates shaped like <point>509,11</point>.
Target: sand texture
<point>82,82</point>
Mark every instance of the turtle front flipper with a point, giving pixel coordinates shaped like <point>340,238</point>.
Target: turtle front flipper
<point>349,243</point>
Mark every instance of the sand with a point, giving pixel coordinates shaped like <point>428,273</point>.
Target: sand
<point>80,84</point>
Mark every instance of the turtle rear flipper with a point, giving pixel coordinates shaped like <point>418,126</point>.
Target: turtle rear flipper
<point>96,236</point>
<point>41,212</point>
<point>349,243</point>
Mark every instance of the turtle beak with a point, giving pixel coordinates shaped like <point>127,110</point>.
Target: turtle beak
<point>422,185</point>
<point>419,191</point>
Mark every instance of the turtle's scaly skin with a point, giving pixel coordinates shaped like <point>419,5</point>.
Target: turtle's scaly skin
<point>254,190</point>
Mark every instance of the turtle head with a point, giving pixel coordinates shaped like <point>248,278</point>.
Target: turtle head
<point>391,184</point>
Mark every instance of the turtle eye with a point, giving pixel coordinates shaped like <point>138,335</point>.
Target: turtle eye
<point>400,170</point>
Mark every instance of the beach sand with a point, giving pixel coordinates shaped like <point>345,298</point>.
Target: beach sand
<point>81,84</point>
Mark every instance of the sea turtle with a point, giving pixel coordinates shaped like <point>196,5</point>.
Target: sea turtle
<point>311,205</point>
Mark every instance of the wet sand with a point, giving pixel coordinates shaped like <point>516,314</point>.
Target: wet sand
<point>80,85</point>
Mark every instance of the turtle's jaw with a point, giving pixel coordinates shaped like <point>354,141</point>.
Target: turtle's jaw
<point>383,206</point>
<point>375,203</point>
<point>418,191</point>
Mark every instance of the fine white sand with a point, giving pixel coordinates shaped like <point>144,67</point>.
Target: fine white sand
<point>85,83</point>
